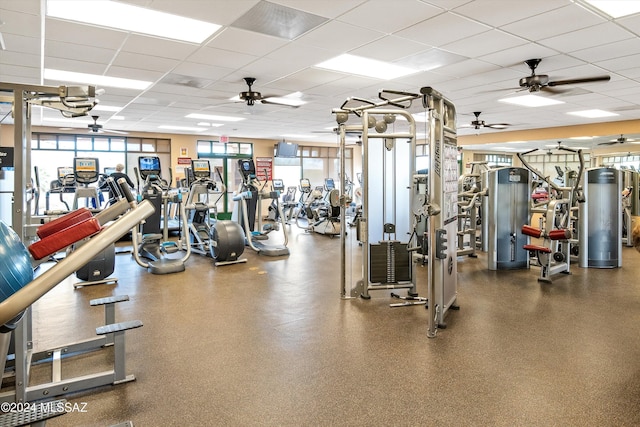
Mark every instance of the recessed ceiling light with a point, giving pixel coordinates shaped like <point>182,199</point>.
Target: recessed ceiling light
<point>531,101</point>
<point>292,99</point>
<point>358,65</point>
<point>214,117</point>
<point>185,128</point>
<point>616,8</point>
<point>205,124</point>
<point>580,138</point>
<point>136,19</point>
<point>116,118</point>
<point>593,114</point>
<point>95,79</point>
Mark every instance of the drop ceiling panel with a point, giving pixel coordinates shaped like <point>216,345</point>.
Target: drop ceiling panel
<point>221,57</point>
<point>329,9</point>
<point>19,59</point>
<point>496,12</point>
<point>591,36</point>
<point>437,31</point>
<point>72,65</point>
<point>484,43</point>
<point>553,23</point>
<point>608,51</point>
<point>247,42</point>
<point>20,74</point>
<point>24,24</point>
<point>56,49</point>
<point>134,73</point>
<point>510,57</point>
<point>305,80</point>
<point>299,56</point>
<point>389,48</point>
<point>152,63</point>
<point>71,32</point>
<point>383,16</point>
<point>21,44</point>
<point>221,12</point>
<point>622,63</point>
<point>158,47</point>
<point>467,68</point>
<point>331,36</point>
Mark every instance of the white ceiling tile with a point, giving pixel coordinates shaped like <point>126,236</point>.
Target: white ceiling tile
<point>221,57</point>
<point>221,12</point>
<point>517,55</point>
<point>56,49</point>
<point>331,36</point>
<point>591,36</point>
<point>501,12</point>
<point>389,48</point>
<point>247,42</point>
<point>380,15</point>
<point>300,56</point>
<point>484,44</point>
<point>437,31</point>
<point>20,74</point>
<point>158,47</point>
<point>608,51</point>
<point>202,71</point>
<point>73,65</point>
<point>9,57</point>
<point>22,44</point>
<point>553,23</point>
<point>152,63</point>
<point>622,63</point>
<point>447,4</point>
<point>25,24</point>
<point>71,32</point>
<point>466,68</point>
<point>328,9</point>
<point>134,73</point>
<point>305,80</point>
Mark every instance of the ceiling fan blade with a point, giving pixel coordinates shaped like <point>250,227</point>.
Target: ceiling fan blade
<point>554,90</point>
<point>608,143</point>
<point>283,104</point>
<point>497,125</point>
<point>578,81</point>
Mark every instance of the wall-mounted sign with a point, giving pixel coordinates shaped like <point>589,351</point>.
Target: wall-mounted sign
<point>6,157</point>
<point>184,160</point>
<point>264,166</point>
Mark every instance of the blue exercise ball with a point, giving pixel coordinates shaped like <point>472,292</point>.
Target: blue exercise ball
<point>15,263</point>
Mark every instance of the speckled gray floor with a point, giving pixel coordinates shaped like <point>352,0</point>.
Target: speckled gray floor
<point>271,343</point>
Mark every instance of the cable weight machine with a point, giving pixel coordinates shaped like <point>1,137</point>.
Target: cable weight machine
<point>390,187</point>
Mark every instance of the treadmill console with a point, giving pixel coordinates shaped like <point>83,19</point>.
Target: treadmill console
<point>201,168</point>
<point>278,185</point>
<point>85,170</point>
<point>148,166</point>
<point>247,168</point>
<point>305,185</point>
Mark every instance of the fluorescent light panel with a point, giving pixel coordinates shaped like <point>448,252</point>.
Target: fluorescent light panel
<point>213,117</point>
<point>358,65</point>
<point>286,100</point>
<point>136,19</point>
<point>111,108</point>
<point>531,101</point>
<point>593,114</point>
<point>616,8</point>
<point>94,79</point>
<point>185,128</point>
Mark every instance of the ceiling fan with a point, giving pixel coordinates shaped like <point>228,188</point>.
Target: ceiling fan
<point>620,140</point>
<point>477,123</point>
<point>250,97</point>
<point>97,128</point>
<point>542,82</point>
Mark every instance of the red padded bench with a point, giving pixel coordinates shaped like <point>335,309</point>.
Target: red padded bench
<point>63,222</point>
<point>559,234</point>
<point>64,237</point>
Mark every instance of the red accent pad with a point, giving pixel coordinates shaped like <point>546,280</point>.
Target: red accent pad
<point>560,234</point>
<point>63,238</point>
<point>537,248</point>
<point>531,231</point>
<point>63,222</point>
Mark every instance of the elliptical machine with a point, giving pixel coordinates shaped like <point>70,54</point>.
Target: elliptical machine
<point>223,240</point>
<point>152,241</point>
<point>248,203</point>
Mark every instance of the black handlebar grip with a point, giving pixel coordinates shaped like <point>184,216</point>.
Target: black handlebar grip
<point>126,191</point>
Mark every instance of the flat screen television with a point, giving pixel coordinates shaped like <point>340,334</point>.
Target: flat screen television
<point>286,149</point>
